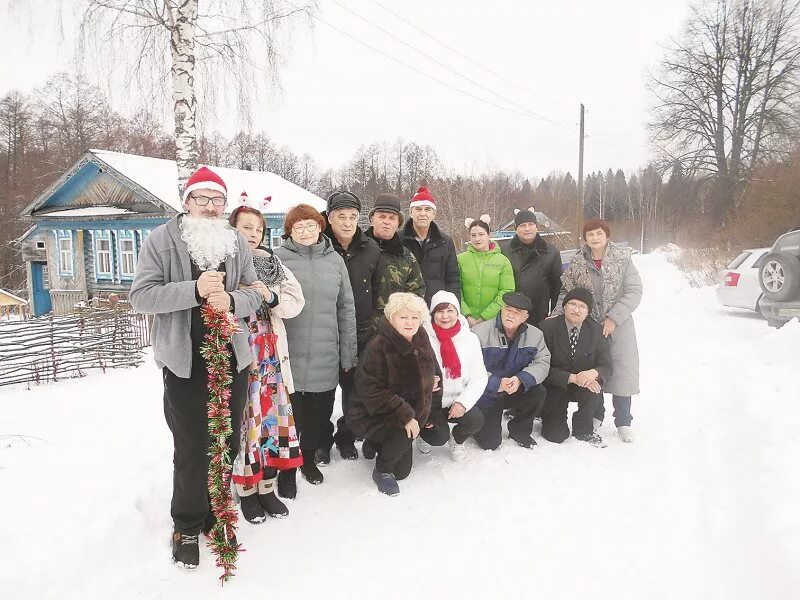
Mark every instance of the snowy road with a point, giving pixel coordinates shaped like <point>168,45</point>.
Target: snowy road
<point>702,505</point>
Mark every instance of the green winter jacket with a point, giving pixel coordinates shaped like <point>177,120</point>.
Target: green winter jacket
<point>485,277</point>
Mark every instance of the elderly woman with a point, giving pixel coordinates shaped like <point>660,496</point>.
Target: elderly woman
<point>322,338</point>
<point>607,270</point>
<point>464,377</point>
<point>395,385</point>
<point>265,448</point>
<point>486,274</point>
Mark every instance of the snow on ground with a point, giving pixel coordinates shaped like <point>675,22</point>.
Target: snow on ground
<point>703,504</point>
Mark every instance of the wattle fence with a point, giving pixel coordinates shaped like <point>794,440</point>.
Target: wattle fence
<point>54,348</point>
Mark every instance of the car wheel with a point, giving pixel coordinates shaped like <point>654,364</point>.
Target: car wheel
<point>779,276</point>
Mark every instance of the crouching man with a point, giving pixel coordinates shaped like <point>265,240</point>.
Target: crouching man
<point>579,362</point>
<point>517,361</point>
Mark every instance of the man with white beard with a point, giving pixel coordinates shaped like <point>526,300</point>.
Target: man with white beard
<point>194,258</point>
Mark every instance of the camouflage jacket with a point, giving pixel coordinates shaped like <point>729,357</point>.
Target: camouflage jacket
<point>397,271</point>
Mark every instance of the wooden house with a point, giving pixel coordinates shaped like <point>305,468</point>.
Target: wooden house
<point>90,224</point>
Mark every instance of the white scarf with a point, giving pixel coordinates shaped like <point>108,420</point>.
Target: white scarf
<point>210,241</point>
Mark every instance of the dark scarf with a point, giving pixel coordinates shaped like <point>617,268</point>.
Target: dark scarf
<point>268,268</point>
<point>450,360</point>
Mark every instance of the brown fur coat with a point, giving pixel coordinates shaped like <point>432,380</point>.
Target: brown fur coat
<point>394,382</point>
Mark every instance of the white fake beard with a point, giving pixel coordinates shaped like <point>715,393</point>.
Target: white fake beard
<point>210,241</point>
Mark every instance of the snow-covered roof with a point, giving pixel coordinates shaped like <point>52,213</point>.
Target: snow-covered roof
<point>159,177</point>
<point>13,297</point>
<point>90,211</point>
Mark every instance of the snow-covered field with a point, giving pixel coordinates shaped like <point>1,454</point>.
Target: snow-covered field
<point>703,505</point>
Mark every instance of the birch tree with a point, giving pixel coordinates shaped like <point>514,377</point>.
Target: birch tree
<point>235,43</point>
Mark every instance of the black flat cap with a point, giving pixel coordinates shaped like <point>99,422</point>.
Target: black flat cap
<point>517,300</point>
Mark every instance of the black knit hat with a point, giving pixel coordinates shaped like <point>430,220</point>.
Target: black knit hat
<point>387,203</point>
<point>525,216</point>
<point>342,199</point>
<point>582,294</point>
<point>517,300</point>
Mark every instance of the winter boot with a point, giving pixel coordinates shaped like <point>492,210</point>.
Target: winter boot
<point>273,506</point>
<point>185,550</point>
<point>423,446</point>
<point>596,423</point>
<point>625,433</point>
<point>386,483</point>
<point>252,510</point>
<point>525,441</point>
<point>368,450</point>
<point>287,484</point>
<point>348,451</point>
<point>269,501</point>
<point>591,438</point>
<point>457,451</point>
<point>312,473</point>
<point>322,457</point>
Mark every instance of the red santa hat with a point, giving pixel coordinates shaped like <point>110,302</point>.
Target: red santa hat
<point>423,197</point>
<point>204,179</point>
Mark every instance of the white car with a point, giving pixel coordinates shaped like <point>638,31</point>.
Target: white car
<point>738,286</point>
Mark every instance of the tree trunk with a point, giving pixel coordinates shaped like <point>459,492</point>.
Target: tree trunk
<point>182,41</point>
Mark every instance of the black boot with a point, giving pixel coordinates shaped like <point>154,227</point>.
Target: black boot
<point>348,451</point>
<point>185,550</point>
<point>273,506</point>
<point>525,441</point>
<point>322,457</point>
<point>312,473</point>
<point>368,450</point>
<point>252,510</point>
<point>287,484</point>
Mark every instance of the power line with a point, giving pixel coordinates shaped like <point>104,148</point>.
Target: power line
<point>468,59</point>
<point>443,65</point>
<point>428,76</point>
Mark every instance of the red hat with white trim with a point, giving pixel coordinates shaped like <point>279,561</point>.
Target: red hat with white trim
<point>423,197</point>
<point>204,179</point>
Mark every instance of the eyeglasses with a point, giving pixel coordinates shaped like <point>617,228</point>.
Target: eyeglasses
<point>204,200</point>
<point>310,228</point>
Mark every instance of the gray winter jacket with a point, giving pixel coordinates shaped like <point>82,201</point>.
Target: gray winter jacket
<point>617,291</point>
<point>163,286</point>
<point>323,336</point>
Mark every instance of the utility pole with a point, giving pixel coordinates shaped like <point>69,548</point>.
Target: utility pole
<point>580,186</point>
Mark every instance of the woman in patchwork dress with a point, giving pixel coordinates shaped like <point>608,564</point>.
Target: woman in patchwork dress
<point>269,437</point>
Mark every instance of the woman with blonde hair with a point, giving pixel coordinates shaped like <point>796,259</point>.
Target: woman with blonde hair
<point>396,382</point>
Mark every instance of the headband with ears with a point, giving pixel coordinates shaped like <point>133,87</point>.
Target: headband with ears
<point>469,220</point>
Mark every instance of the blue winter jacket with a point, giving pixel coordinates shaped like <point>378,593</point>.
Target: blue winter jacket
<point>526,356</point>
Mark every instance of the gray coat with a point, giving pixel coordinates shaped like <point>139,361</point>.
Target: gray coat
<point>617,291</point>
<point>163,286</point>
<point>323,336</point>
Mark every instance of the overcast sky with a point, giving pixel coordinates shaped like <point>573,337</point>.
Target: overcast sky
<point>543,58</point>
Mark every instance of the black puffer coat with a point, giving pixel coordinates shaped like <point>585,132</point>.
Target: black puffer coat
<point>537,273</point>
<point>436,258</point>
